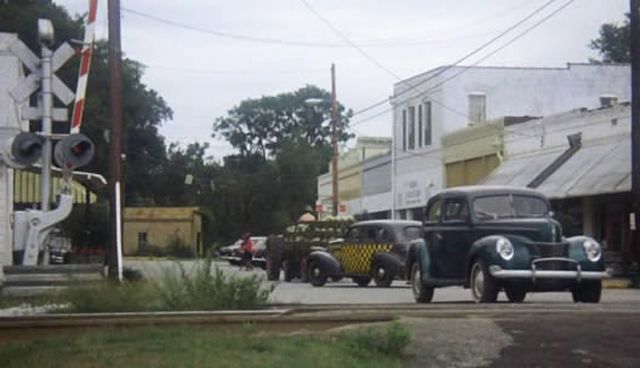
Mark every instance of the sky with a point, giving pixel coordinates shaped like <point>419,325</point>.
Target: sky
<point>202,74</point>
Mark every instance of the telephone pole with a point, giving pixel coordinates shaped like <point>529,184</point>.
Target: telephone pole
<point>635,114</point>
<point>334,141</point>
<point>115,141</point>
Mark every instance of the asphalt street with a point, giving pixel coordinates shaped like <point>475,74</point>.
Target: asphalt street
<point>347,292</point>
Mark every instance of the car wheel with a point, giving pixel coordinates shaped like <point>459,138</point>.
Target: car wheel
<point>288,272</point>
<point>315,276</point>
<point>362,281</point>
<point>421,293</point>
<point>382,276</point>
<point>273,269</point>
<point>587,292</point>
<point>482,285</point>
<point>515,295</point>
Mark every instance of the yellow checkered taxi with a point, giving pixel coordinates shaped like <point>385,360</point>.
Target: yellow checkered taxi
<point>370,250</point>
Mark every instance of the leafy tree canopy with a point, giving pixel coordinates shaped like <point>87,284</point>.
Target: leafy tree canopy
<point>262,125</point>
<point>613,43</point>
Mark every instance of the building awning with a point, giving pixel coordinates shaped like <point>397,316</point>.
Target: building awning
<point>520,170</point>
<point>599,167</point>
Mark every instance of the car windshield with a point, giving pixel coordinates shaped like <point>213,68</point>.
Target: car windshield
<point>509,206</point>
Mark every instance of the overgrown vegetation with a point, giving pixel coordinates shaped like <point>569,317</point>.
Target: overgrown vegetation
<point>390,341</point>
<point>203,346</point>
<point>202,288</point>
<point>209,288</point>
<point>176,248</point>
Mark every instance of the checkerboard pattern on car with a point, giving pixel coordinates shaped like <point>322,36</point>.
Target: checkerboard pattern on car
<point>356,258</point>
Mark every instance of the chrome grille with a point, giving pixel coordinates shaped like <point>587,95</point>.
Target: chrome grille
<point>553,250</point>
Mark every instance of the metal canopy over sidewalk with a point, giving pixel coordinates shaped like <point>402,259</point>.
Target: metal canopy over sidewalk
<point>599,167</point>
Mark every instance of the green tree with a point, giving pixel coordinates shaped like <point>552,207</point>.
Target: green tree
<point>614,42</point>
<point>262,125</point>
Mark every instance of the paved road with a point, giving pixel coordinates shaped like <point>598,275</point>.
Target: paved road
<point>347,292</point>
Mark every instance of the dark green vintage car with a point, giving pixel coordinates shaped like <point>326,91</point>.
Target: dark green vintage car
<point>374,249</point>
<point>490,239</point>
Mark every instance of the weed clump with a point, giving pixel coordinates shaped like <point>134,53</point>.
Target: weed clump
<point>391,341</point>
<point>204,288</point>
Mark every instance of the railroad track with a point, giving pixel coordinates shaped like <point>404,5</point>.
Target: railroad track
<point>310,316</point>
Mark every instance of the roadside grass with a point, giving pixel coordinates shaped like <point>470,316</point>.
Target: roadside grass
<point>201,346</point>
<point>203,288</point>
<point>9,301</point>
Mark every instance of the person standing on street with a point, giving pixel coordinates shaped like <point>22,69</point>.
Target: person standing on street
<point>247,251</point>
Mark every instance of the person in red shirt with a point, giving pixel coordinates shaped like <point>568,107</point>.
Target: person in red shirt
<point>247,251</point>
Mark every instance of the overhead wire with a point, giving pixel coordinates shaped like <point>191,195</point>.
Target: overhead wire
<point>391,42</point>
<point>457,62</point>
<point>466,68</point>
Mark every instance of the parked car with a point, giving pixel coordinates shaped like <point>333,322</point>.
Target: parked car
<point>232,253</point>
<point>59,247</point>
<point>370,250</point>
<point>490,239</point>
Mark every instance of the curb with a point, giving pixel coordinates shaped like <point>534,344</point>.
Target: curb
<point>616,283</point>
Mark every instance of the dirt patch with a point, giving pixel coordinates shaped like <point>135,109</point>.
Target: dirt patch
<point>448,342</point>
<point>572,341</point>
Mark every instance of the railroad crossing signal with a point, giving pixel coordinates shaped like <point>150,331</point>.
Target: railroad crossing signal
<point>31,83</point>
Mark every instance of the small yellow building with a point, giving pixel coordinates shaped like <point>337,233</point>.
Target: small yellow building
<point>161,226</point>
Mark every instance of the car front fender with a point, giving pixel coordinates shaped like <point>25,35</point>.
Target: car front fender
<point>423,258</point>
<point>578,254</point>
<point>391,261</point>
<point>327,262</point>
<point>485,249</point>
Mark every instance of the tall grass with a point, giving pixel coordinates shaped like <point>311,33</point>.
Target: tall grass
<point>204,288</point>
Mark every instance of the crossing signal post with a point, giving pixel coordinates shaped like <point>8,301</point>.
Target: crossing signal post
<point>31,227</point>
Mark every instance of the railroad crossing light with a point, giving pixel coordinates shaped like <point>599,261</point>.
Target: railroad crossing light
<point>26,148</point>
<point>46,34</point>
<point>74,151</point>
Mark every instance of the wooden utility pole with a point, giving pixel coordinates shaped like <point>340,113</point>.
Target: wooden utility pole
<point>334,141</point>
<point>115,141</point>
<point>635,114</point>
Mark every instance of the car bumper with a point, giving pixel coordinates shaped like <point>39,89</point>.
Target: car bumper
<point>534,273</point>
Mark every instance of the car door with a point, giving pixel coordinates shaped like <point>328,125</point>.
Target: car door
<point>343,250</point>
<point>454,233</point>
<point>433,234</point>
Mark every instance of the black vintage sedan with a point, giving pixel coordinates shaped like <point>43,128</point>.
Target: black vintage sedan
<point>490,239</point>
<point>373,249</point>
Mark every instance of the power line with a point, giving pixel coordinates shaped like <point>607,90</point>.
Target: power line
<point>517,37</point>
<point>391,42</point>
<point>348,41</point>
<point>462,59</point>
<point>225,72</point>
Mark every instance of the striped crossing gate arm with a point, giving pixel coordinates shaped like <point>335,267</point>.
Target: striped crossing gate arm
<point>85,64</point>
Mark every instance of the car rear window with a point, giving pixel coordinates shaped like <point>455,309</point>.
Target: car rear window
<point>413,232</point>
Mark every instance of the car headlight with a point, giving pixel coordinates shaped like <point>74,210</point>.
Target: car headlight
<point>504,248</point>
<point>592,250</point>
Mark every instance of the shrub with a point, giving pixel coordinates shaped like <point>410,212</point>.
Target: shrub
<point>203,289</point>
<point>150,251</point>
<point>178,248</point>
<point>210,289</point>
